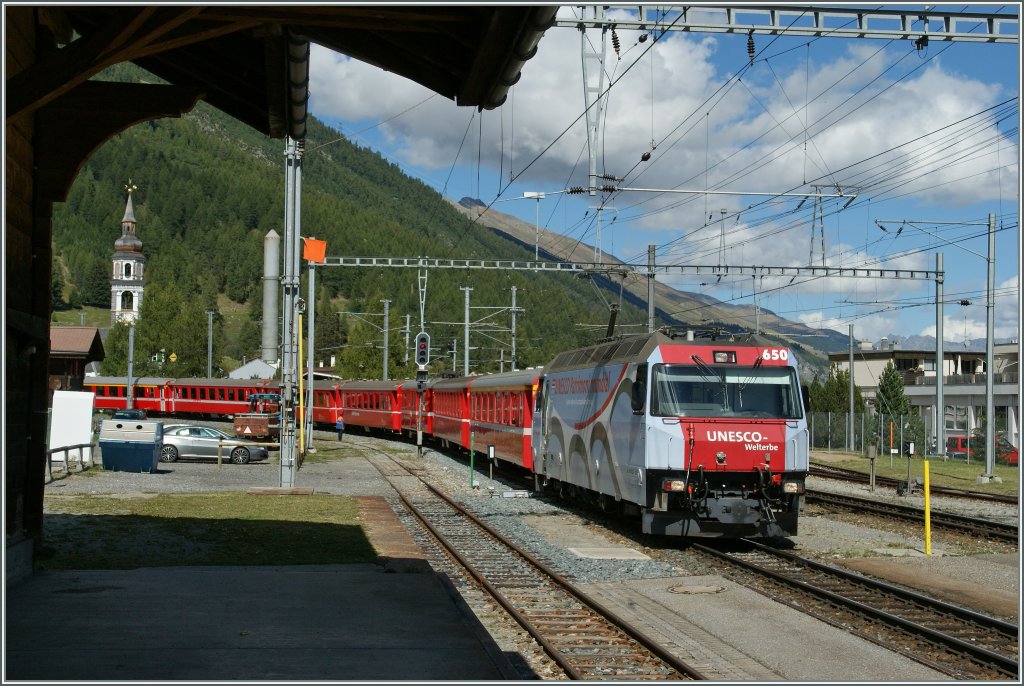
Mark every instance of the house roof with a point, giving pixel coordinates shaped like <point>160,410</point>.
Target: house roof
<point>76,341</point>
<point>254,369</point>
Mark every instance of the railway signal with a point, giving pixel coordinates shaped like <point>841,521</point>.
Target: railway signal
<point>422,349</point>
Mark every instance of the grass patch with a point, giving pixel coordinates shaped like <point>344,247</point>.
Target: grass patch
<point>117,532</point>
<point>947,473</point>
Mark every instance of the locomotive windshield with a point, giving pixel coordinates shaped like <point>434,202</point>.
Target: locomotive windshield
<point>701,391</point>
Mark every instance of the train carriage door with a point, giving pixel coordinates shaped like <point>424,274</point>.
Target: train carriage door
<point>535,423</point>
<point>541,423</point>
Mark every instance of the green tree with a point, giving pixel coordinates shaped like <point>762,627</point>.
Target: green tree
<point>834,394</point>
<point>330,333</point>
<point>898,417</point>
<point>115,351</point>
<point>95,284</point>
<point>891,399</point>
<point>57,301</point>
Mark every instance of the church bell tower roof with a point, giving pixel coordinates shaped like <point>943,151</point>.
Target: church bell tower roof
<point>128,242</point>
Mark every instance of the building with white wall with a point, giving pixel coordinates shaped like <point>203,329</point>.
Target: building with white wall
<point>963,390</point>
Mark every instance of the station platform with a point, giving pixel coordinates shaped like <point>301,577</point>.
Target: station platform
<point>395,621</point>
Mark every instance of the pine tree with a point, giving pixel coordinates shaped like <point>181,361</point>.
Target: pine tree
<point>892,403</point>
<point>57,301</point>
<point>891,400</point>
<point>95,284</point>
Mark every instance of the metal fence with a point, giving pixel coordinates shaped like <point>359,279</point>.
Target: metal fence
<point>82,452</point>
<point>830,431</point>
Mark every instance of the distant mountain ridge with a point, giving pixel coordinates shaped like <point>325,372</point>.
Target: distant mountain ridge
<point>976,345</point>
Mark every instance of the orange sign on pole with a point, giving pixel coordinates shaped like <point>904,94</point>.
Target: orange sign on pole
<point>314,250</point>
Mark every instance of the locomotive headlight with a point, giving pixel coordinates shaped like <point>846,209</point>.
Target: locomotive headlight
<point>793,487</point>
<point>673,486</point>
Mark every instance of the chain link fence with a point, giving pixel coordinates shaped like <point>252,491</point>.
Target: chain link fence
<point>831,431</point>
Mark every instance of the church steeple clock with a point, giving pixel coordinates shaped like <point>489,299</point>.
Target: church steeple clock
<point>126,284</point>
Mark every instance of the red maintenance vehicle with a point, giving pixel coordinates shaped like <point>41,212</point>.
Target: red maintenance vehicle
<point>263,420</point>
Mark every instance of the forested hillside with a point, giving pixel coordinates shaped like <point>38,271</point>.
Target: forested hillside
<point>209,189</point>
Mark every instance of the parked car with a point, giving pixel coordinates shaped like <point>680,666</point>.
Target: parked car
<point>958,448</point>
<point>133,413</point>
<point>189,440</point>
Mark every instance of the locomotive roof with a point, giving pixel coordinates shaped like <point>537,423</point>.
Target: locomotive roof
<point>635,348</point>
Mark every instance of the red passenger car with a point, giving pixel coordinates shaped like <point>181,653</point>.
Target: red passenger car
<point>500,414</point>
<point>416,416</point>
<point>371,404</point>
<point>450,403</point>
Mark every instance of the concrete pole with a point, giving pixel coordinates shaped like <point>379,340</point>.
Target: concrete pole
<point>131,360</point>
<point>990,335</point>
<point>408,330</point>
<point>270,352</point>
<point>387,326</point>
<point>850,443</point>
<point>515,363</point>
<point>465,340</point>
<point>209,344</point>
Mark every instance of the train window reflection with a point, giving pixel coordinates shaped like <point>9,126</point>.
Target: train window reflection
<point>688,391</point>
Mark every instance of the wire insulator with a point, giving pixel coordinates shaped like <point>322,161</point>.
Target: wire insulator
<point>750,45</point>
<point>646,156</point>
<point>615,43</point>
<point>576,190</point>
<point>609,189</point>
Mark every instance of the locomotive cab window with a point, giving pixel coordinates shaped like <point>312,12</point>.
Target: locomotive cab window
<point>703,391</point>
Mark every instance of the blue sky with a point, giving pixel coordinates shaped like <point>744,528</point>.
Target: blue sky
<point>926,136</point>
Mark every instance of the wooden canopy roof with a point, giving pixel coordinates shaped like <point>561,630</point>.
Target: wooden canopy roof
<point>251,61</point>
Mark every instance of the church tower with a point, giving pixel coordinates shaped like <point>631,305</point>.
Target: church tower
<point>127,282</point>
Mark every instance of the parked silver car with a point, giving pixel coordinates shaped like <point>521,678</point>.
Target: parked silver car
<point>189,440</point>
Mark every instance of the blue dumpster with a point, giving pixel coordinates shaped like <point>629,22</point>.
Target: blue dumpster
<point>131,445</point>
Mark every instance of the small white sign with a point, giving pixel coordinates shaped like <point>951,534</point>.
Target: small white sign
<point>71,423</point>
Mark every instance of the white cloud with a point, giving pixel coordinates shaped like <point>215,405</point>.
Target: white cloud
<point>747,149</point>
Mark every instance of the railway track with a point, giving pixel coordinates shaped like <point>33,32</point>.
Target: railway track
<point>830,472</point>
<point>974,526</point>
<point>586,640</point>
<point>956,641</point>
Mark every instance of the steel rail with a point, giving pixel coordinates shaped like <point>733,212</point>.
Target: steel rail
<point>947,520</point>
<point>837,473</point>
<point>659,651</point>
<point>978,655</point>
